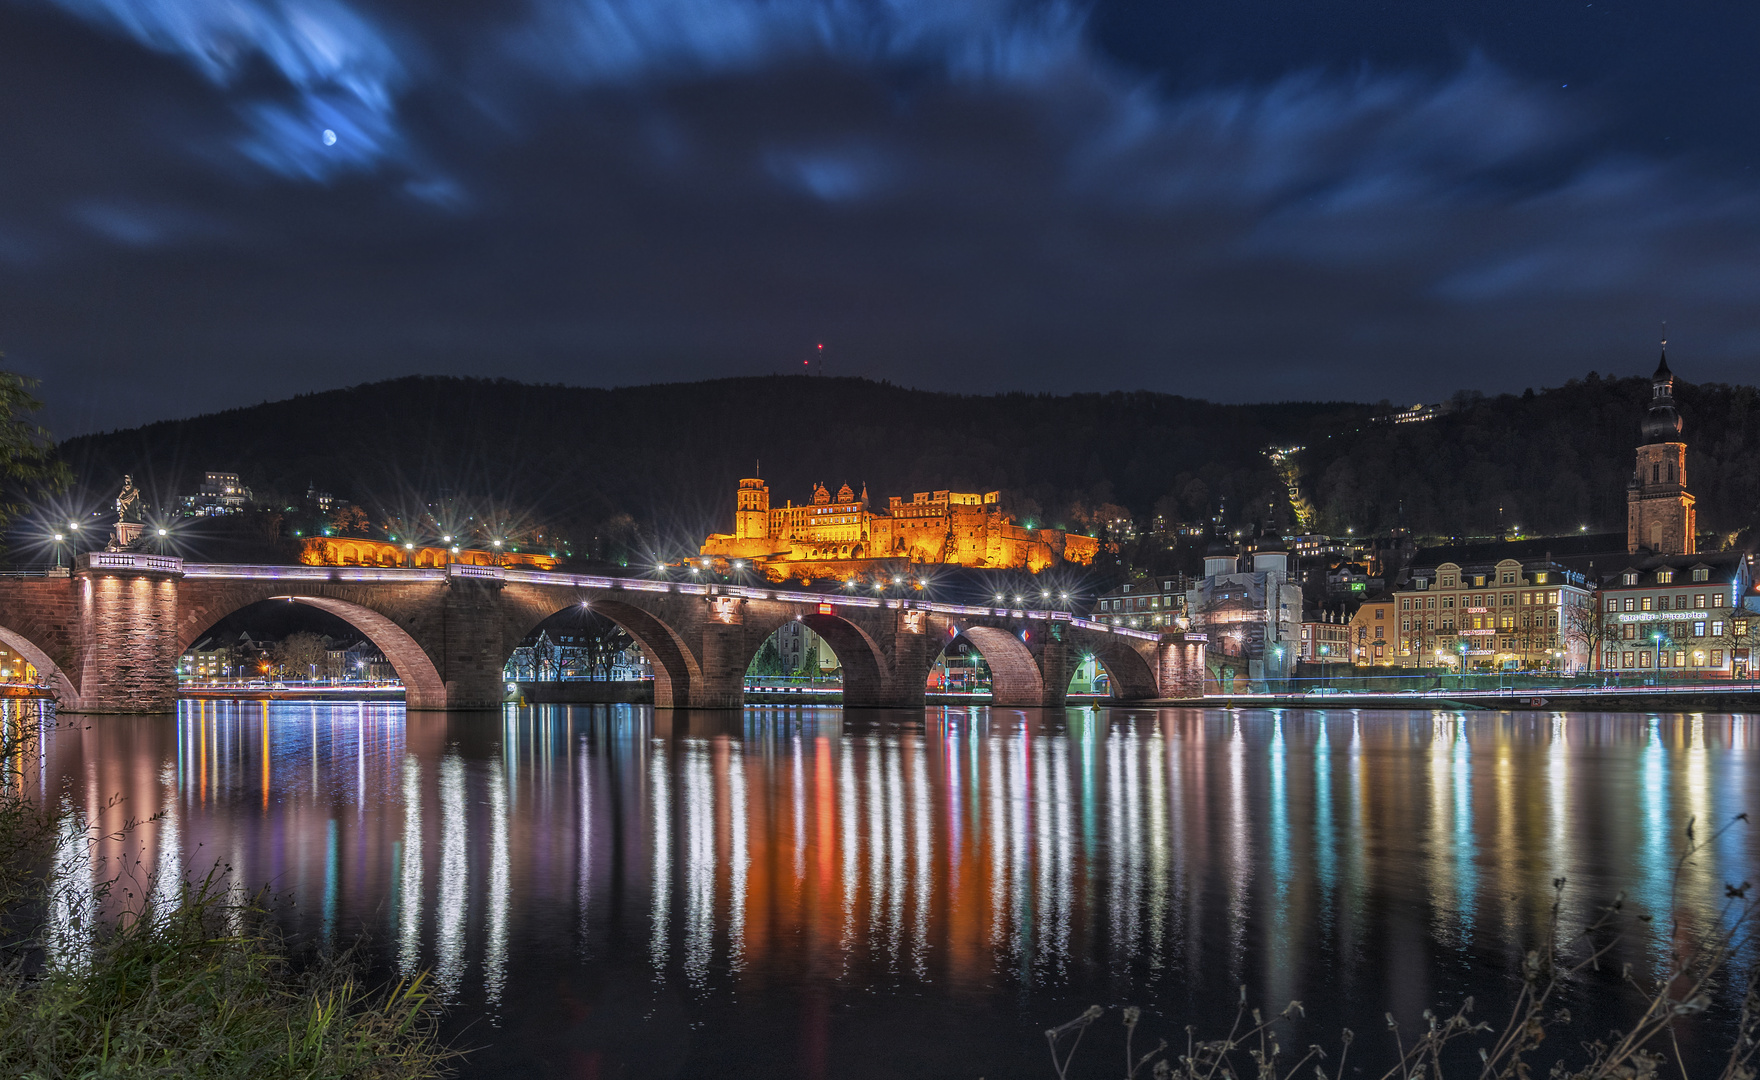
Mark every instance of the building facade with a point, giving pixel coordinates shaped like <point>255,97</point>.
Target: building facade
<point>1326,637</point>
<point>1374,641</point>
<point>1675,612</point>
<point>221,493</point>
<point>1146,603</point>
<point>1251,611</point>
<point>1507,615</point>
<point>1661,517</point>
<point>841,536</point>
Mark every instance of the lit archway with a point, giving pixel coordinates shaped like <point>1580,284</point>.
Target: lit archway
<point>1126,675</point>
<point>676,673</point>
<point>859,663</point>
<point>66,697</point>
<point>423,687</point>
<point>1015,678</point>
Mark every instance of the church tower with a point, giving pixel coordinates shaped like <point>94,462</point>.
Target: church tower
<point>1659,511</point>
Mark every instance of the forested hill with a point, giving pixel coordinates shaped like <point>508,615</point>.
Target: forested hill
<point>669,455</point>
<point>1554,461</point>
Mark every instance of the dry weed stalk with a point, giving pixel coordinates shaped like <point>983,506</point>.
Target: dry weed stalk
<point>1697,962</point>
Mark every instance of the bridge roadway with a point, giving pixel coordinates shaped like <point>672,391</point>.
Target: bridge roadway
<point>109,632</point>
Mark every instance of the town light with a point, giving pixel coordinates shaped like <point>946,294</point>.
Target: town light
<point>497,543</point>
<point>164,532</point>
<point>447,539</point>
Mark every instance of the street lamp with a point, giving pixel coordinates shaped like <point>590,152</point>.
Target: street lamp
<point>1463,665</point>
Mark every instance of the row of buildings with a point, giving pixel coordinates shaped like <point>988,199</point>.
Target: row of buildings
<point>1638,602</point>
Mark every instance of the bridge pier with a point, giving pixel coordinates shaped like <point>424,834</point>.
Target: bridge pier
<point>128,629</point>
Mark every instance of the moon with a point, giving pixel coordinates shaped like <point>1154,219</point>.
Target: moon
<point>329,137</point>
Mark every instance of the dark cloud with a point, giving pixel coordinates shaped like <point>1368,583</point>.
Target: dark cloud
<point>215,203</point>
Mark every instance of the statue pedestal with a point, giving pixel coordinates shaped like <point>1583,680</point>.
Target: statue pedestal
<point>126,533</point>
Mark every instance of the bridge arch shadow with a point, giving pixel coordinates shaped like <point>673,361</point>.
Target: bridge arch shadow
<point>423,687</point>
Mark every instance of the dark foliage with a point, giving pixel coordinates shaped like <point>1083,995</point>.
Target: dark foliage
<point>653,467</point>
<point>669,455</point>
<point>1550,462</point>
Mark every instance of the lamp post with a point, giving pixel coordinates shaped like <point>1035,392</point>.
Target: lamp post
<point>1464,665</point>
<point>1656,679</point>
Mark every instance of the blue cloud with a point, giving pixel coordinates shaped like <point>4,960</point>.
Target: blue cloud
<point>339,66</point>
<point>619,41</point>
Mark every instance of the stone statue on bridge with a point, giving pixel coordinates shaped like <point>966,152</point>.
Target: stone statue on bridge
<point>128,516</point>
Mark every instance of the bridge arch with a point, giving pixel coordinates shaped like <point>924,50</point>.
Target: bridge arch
<point>1131,674</point>
<point>66,696</point>
<point>677,674</point>
<point>423,687</point>
<point>1015,678</point>
<point>861,657</point>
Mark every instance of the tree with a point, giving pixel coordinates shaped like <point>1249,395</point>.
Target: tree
<point>29,469</point>
<point>299,654</point>
<point>348,520</point>
<point>1584,628</point>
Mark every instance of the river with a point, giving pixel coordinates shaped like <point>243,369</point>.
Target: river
<point>606,891</point>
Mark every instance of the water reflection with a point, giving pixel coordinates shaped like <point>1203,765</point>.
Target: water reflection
<point>579,874</point>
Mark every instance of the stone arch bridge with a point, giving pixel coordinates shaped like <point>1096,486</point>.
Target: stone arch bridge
<point>108,633</point>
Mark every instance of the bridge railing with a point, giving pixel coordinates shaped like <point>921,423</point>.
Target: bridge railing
<point>130,560</point>
<point>266,572</point>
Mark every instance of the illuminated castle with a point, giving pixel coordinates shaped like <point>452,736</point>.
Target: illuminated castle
<point>842,537</point>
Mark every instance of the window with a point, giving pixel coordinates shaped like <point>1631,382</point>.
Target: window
<point>1680,657</point>
<point>1380,613</point>
<point>1702,574</point>
<point>1432,602</point>
<point>1405,603</point>
<point>1643,604</point>
<point>1717,628</point>
<point>1699,600</point>
<point>1662,659</point>
<point>1680,602</point>
<point>1716,657</point>
<point>1448,601</point>
<point>1540,578</point>
<point>1644,658</point>
<point>1663,577</point>
<point>1699,629</point>
<point>1716,599</point>
<point>1448,581</point>
<point>1627,658</point>
<point>1612,604</point>
<point>1552,597</point>
<point>1509,599</point>
<point>1631,631</point>
<point>1630,578</point>
<point>1380,632</point>
<point>1509,578</point>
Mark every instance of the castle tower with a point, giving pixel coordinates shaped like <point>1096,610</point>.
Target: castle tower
<point>751,516</point>
<point>1660,517</point>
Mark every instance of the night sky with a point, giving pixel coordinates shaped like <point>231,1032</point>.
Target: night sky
<point>208,203</point>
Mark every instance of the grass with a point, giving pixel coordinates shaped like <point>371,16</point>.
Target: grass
<point>1455,1045</point>
<point>192,984</point>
